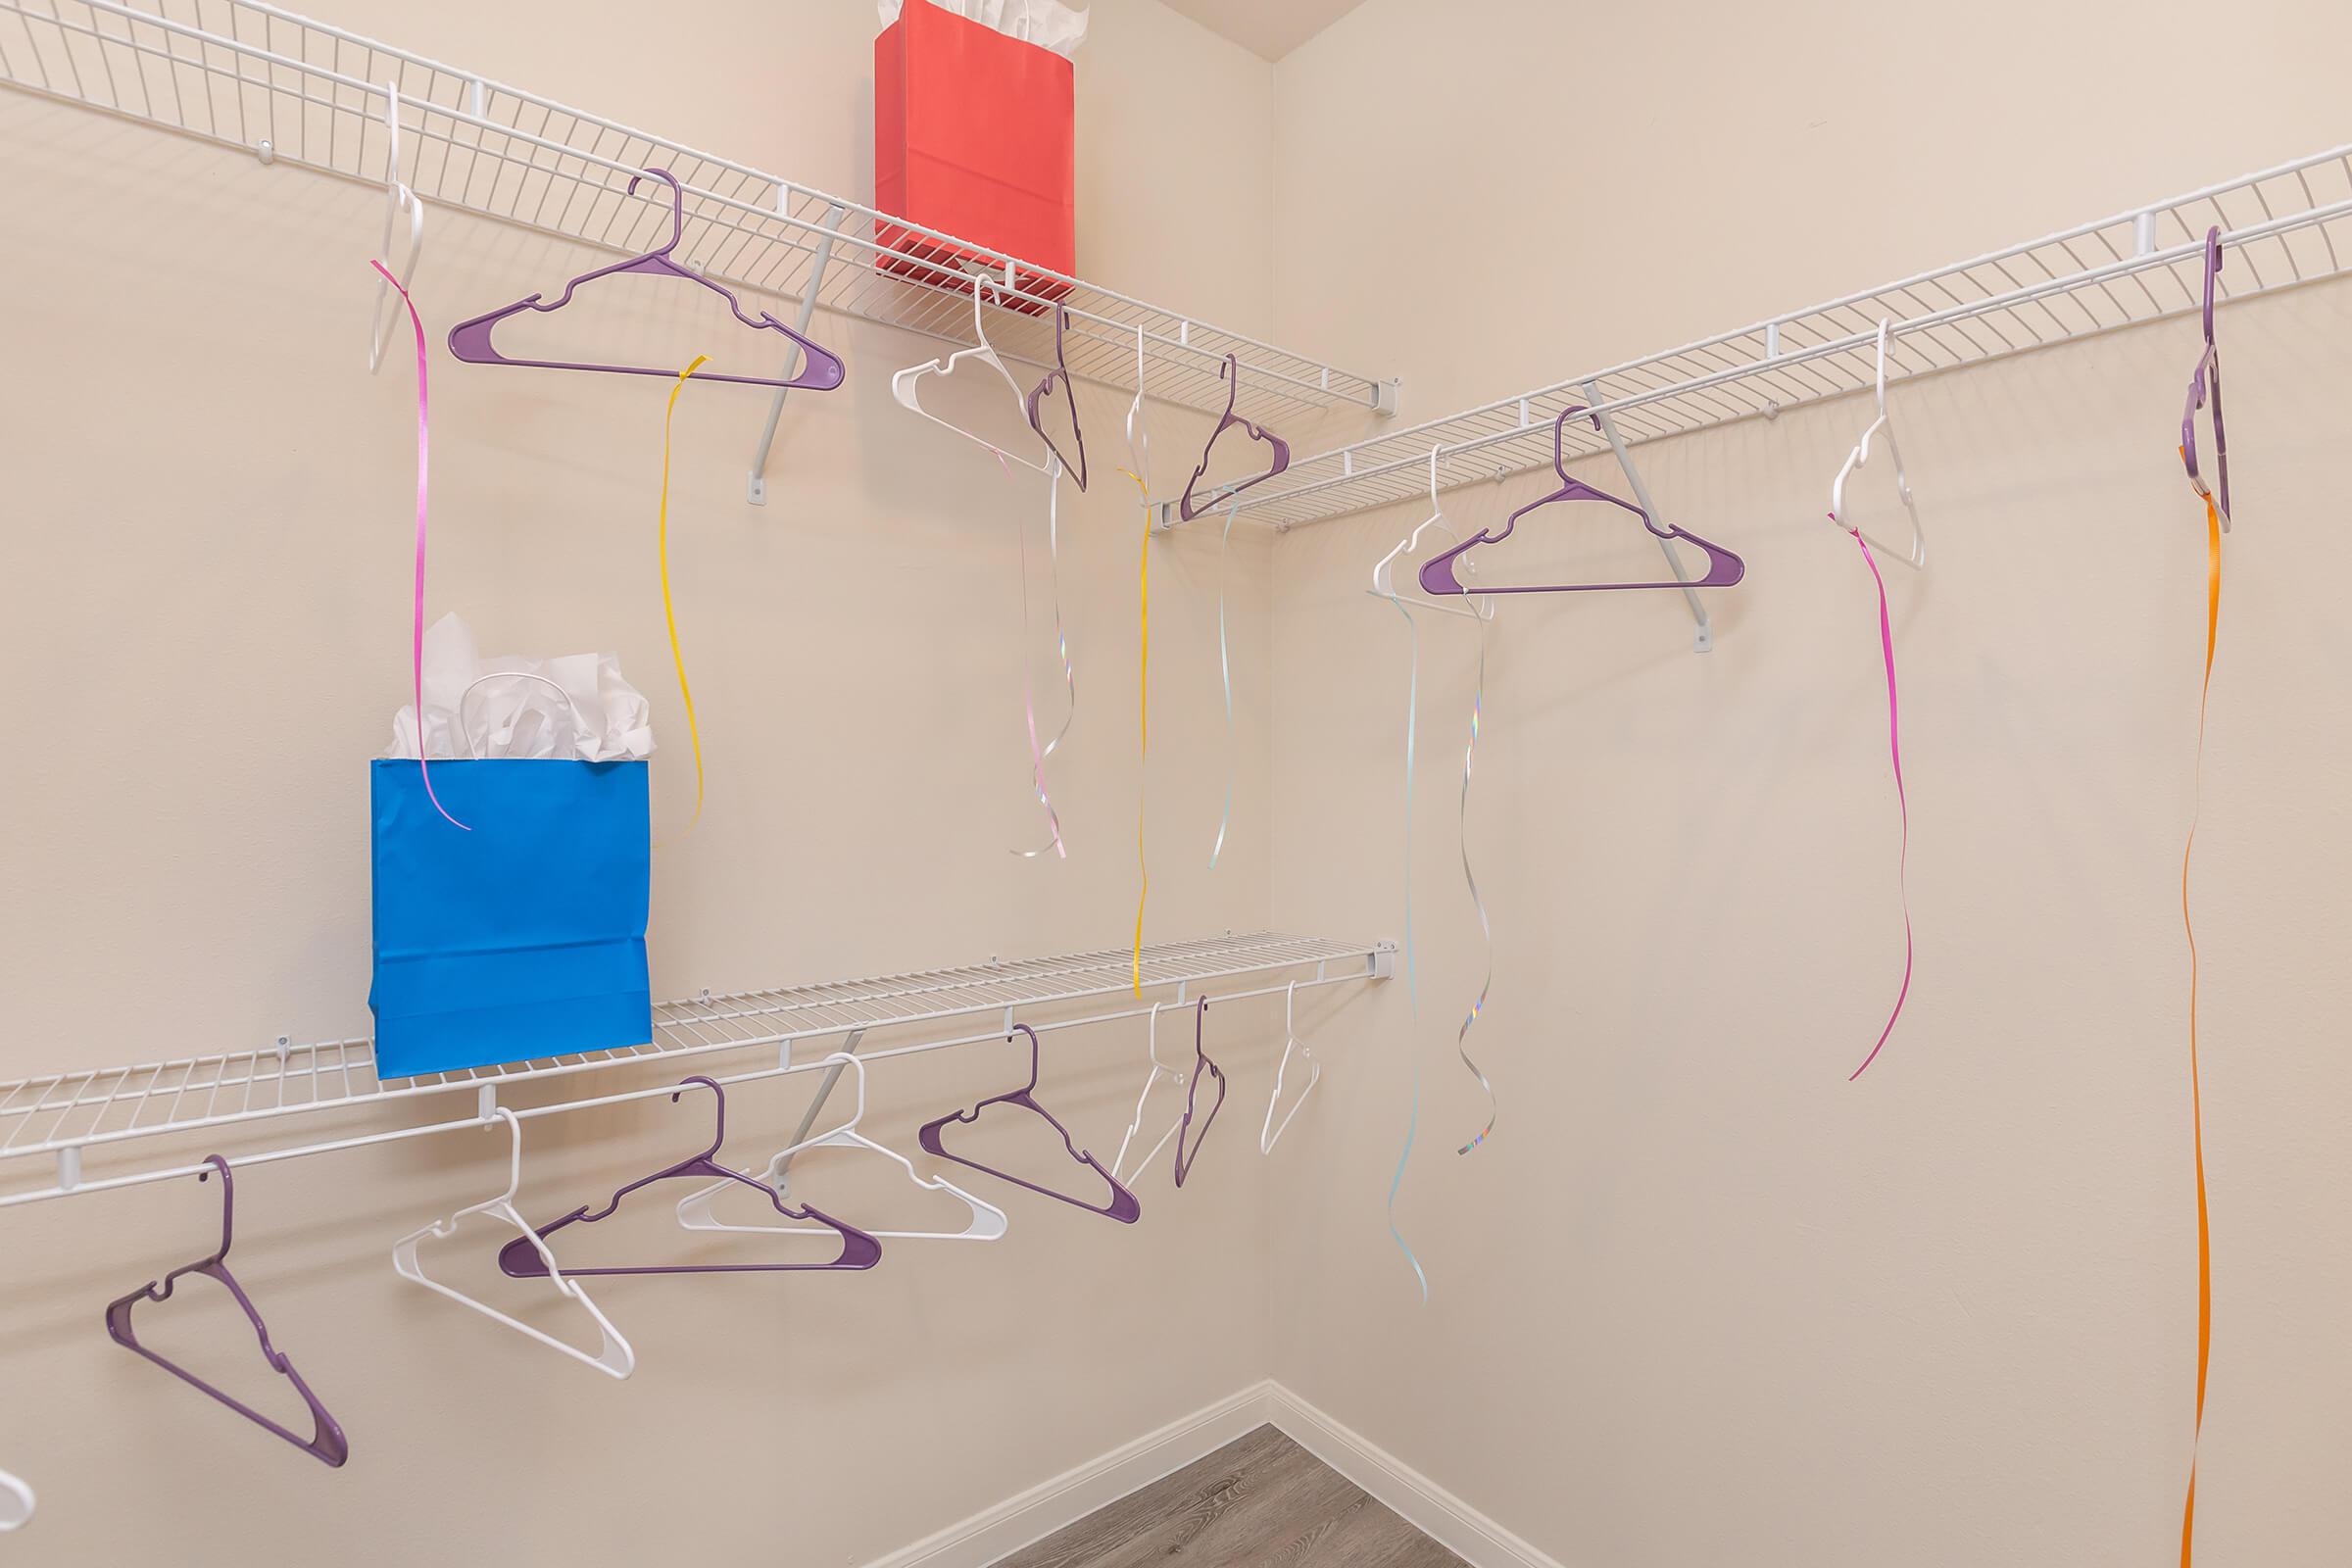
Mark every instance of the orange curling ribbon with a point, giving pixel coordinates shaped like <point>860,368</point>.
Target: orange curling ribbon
<point>668,610</point>
<point>2196,1106</point>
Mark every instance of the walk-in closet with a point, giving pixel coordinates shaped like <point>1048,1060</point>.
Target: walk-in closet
<point>1040,784</point>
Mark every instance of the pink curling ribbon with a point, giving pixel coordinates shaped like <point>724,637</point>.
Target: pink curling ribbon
<point>416,636</point>
<point>1894,749</point>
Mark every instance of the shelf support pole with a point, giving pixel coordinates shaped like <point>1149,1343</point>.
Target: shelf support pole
<point>1704,642</point>
<point>756,486</point>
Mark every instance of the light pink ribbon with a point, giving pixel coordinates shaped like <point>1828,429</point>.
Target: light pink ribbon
<point>1894,748</point>
<point>417,637</point>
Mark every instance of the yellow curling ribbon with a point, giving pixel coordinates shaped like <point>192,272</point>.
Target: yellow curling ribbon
<point>1143,719</point>
<point>2196,1106</point>
<point>669,608</point>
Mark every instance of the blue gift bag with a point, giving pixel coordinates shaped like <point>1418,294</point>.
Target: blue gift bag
<point>522,939</point>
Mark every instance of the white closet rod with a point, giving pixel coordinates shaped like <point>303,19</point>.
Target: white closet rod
<point>254,79</point>
<point>2073,285</point>
<point>757,1075</point>
<point>64,1114</point>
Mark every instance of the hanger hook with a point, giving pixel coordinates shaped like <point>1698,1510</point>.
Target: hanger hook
<point>1290,999</point>
<point>677,207</point>
<point>1559,437</point>
<point>848,1059</point>
<point>228,1201</point>
<point>980,280</point>
<point>392,131</point>
<point>719,1138</point>
<point>1036,1049</point>
<point>514,1151</point>
<point>1384,577</point>
<point>2213,272</point>
<point>1882,324</point>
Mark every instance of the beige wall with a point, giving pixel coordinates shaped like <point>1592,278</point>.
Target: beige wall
<point>1701,1301</point>
<point>208,541</point>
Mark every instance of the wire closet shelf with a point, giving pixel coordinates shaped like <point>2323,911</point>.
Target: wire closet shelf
<point>64,1113</point>
<point>2282,226</point>
<point>251,75</point>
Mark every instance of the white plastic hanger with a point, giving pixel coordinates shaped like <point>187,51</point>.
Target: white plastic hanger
<point>902,386</point>
<point>988,1221</point>
<point>398,199</point>
<point>16,1503</point>
<point>1159,1069</point>
<point>1916,556</point>
<point>1384,572</point>
<point>1269,1135</point>
<point>616,1360</point>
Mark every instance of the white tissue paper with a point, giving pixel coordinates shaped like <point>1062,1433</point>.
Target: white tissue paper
<point>596,717</point>
<point>1047,24</point>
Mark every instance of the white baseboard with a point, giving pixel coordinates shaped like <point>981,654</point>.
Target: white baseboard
<point>1420,1502</point>
<point>998,1532</point>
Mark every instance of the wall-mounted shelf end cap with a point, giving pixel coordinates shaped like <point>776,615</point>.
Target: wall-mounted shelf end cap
<point>1385,395</point>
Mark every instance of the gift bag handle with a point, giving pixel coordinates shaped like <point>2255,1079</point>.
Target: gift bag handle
<point>465,736</point>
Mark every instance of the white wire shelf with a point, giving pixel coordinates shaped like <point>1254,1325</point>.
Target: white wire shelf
<point>63,1114</point>
<point>250,75</point>
<point>2283,227</point>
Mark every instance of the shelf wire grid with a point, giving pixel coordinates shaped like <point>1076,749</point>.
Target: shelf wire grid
<point>2286,226</point>
<point>243,73</point>
<point>88,1107</point>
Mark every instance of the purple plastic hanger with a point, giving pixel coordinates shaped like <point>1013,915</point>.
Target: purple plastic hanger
<point>1437,572</point>
<point>1231,375</point>
<point>822,370</point>
<point>1200,1061</point>
<point>326,1443</point>
<point>2207,382</point>
<point>1061,373</point>
<point>1124,1206</point>
<point>523,1261</point>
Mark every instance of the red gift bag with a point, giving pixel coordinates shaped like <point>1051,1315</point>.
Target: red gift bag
<point>974,135</point>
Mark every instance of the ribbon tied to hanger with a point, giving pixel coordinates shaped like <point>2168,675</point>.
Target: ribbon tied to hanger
<point>2204,386</point>
<point>2196,1096</point>
<point>423,489</point>
<point>670,612</point>
<point>1894,749</point>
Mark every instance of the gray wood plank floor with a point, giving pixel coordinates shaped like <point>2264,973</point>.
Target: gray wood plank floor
<point>1261,1500</point>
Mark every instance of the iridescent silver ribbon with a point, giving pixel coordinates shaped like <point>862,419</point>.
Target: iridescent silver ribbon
<point>1225,672</point>
<point>1478,703</point>
<point>1061,646</point>
<point>1412,978</point>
